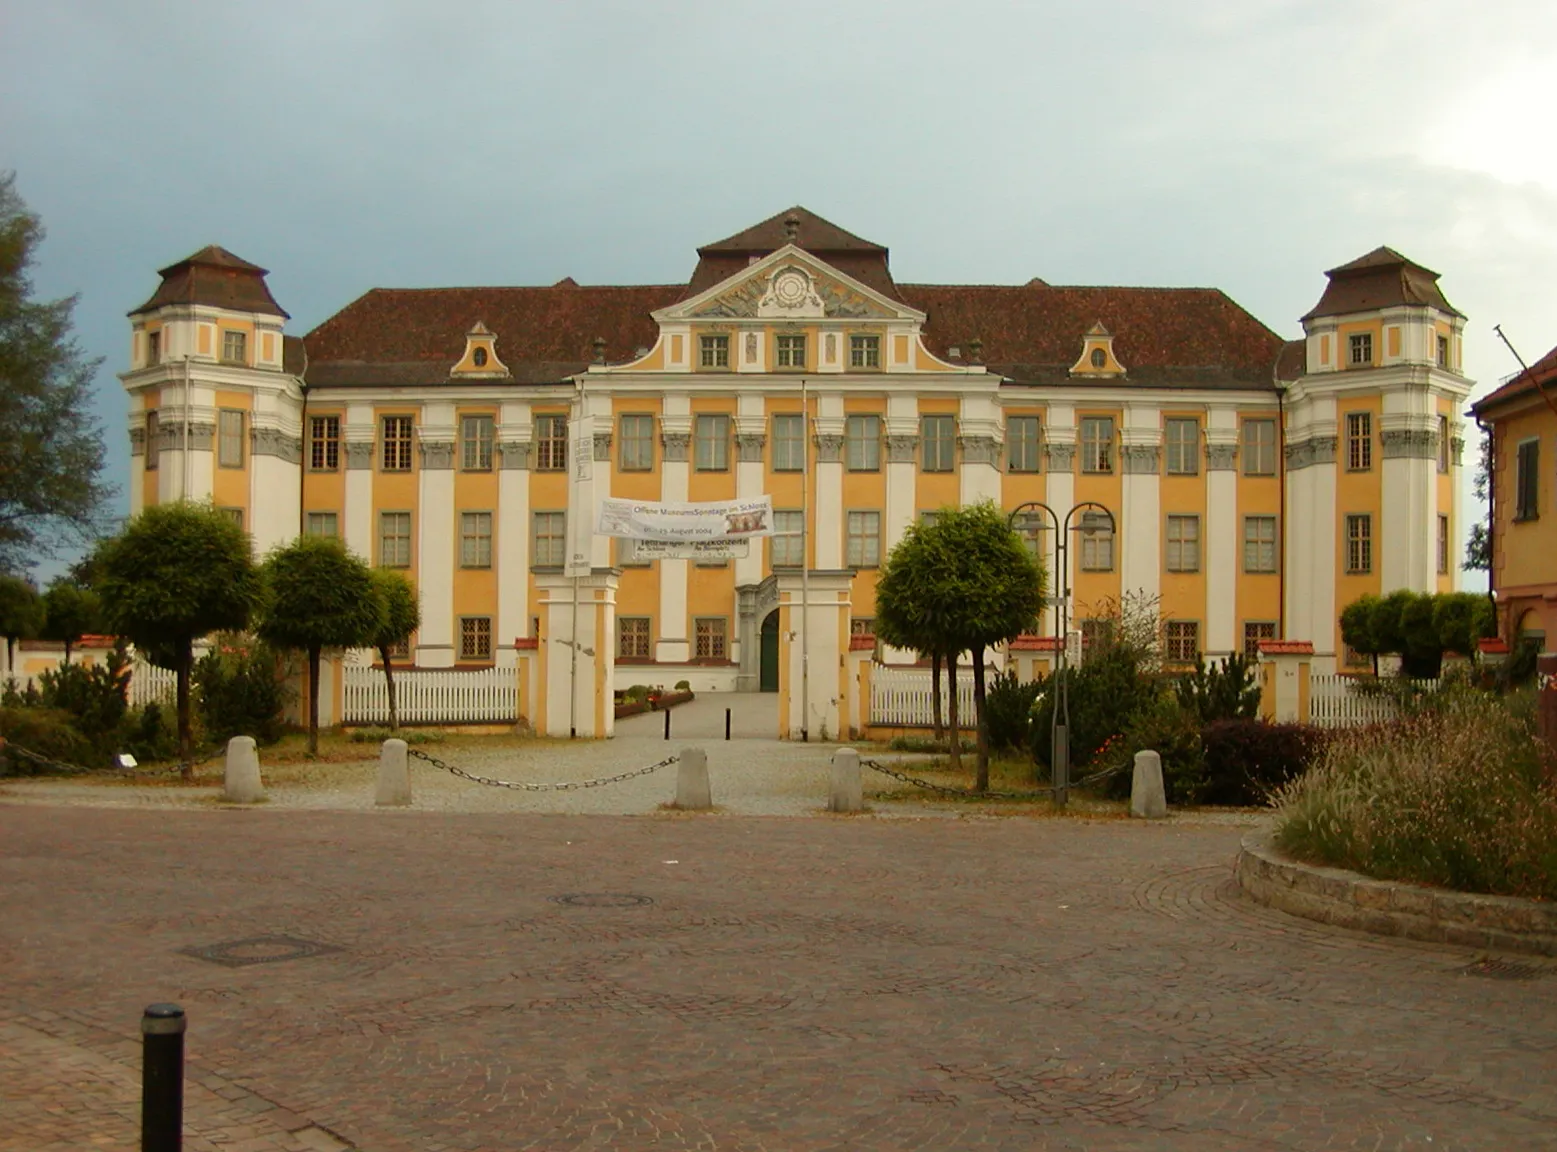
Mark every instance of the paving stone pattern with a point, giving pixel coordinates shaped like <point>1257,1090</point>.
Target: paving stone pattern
<point>780,984</point>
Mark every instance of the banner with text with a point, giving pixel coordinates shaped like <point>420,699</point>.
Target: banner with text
<point>684,523</point>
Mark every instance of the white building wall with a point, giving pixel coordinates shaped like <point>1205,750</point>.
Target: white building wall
<point>513,461</point>
<point>674,644</point>
<point>435,527</point>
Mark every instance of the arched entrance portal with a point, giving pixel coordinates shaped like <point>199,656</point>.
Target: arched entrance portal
<point>767,671</point>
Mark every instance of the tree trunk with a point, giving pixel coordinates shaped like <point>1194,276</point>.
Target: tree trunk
<point>981,720</point>
<point>186,740</point>
<point>389,683</point>
<point>954,734</point>
<point>313,701</point>
<point>67,651</point>
<point>935,694</point>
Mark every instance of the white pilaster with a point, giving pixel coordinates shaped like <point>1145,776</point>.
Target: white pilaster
<point>358,438</point>
<point>827,520</point>
<point>978,428</point>
<point>435,561</point>
<point>901,449</point>
<point>750,420</point>
<point>674,644</point>
<point>1140,559</point>
<point>1223,534</point>
<point>1060,495</point>
<point>513,527</point>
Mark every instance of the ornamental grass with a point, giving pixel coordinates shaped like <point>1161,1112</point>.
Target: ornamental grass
<point>1460,795</point>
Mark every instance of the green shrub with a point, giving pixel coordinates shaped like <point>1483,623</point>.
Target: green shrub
<point>94,695</point>
<point>45,732</point>
<point>927,744</point>
<point>683,685</point>
<point>409,735</point>
<point>150,734</point>
<point>1162,726</point>
<point>241,691</point>
<point>638,693</point>
<point>1247,761</point>
<point>1224,691</point>
<point>1106,693</point>
<point>1008,709</point>
<point>1461,795</point>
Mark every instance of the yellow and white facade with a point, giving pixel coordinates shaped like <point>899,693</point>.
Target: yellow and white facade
<point>1258,485</point>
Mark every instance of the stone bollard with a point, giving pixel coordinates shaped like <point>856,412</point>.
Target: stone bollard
<point>692,789</point>
<point>394,776</point>
<point>847,793</point>
<point>1148,800</point>
<point>241,782</point>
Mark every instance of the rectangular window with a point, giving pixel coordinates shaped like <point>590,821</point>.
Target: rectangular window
<point>153,442</point>
<point>1022,443</point>
<point>1183,543</point>
<point>229,439</point>
<point>1361,350</point>
<point>637,443</point>
<point>1097,551</point>
<point>324,443</point>
<point>551,443</point>
<point>1259,543</point>
<point>1359,441</point>
<point>862,443</point>
<point>396,456</point>
<point>394,539</point>
<point>864,540</point>
<point>476,436</point>
<point>1183,443</point>
<point>1183,641</point>
<point>235,515</point>
<point>1259,448</point>
<point>789,444</point>
<point>938,443</point>
<point>475,637</point>
<point>864,351</point>
<point>154,348</point>
<point>862,626</point>
<point>712,443</point>
<point>235,347</point>
<point>548,539</point>
<point>1443,443</point>
<point>791,350</point>
<point>632,637</point>
<point>710,635</point>
<point>1527,481</point>
<point>1359,545</point>
<point>1097,444</point>
<point>715,351</point>
<point>475,539</point>
<point>786,547</point>
<point>1443,545</point>
<point>1253,632</point>
<point>1443,351</point>
<point>325,524</point>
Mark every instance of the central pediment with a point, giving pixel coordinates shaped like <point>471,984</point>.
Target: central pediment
<point>789,284</point>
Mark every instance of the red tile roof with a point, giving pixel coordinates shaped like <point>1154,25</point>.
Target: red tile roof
<point>216,277</point>
<point>1543,373</point>
<point>1032,333</point>
<point>1380,279</point>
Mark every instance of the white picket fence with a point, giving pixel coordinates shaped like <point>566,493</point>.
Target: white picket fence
<point>901,697</point>
<point>431,696</point>
<point>1336,702</point>
<point>151,685</point>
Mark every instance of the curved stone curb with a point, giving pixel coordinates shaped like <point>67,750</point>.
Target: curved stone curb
<point>1393,908</point>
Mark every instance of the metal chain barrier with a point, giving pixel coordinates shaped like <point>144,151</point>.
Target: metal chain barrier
<point>66,768</point>
<point>523,786</point>
<point>948,790</point>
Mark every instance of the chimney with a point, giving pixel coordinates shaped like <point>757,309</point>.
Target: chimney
<point>791,228</point>
<point>975,351</point>
<point>600,346</point>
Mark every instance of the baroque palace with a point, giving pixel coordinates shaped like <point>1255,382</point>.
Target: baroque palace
<point>1258,485</point>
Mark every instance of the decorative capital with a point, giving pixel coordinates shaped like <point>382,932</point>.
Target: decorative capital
<point>602,446</point>
<point>513,455</point>
<point>829,448</point>
<point>749,446</point>
<point>437,454</point>
<point>902,449</point>
<point>359,454</point>
<point>1324,449</point>
<point>1141,459</point>
<point>979,450</point>
<point>1221,457</point>
<point>675,445</point>
<point>1457,450</point>
<point>274,442</point>
<point>1060,457</point>
<point>137,441</point>
<point>1412,443</point>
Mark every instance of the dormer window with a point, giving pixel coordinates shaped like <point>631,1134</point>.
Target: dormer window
<point>864,351</point>
<point>791,350</point>
<point>1099,358</point>
<point>715,351</point>
<point>478,357</point>
<point>1097,354</point>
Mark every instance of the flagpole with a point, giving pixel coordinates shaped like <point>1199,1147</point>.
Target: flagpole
<point>805,561</point>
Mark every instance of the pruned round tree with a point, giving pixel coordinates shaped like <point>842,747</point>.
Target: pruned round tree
<point>402,616</point>
<point>176,573</point>
<point>69,613</point>
<point>318,596</point>
<point>963,583</point>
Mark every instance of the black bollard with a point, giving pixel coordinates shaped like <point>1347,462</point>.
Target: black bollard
<point>162,1078</point>
<point>726,723</point>
<point>667,723</point>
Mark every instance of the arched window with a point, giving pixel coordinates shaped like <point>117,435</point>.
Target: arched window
<point>1099,358</point>
<point>479,357</point>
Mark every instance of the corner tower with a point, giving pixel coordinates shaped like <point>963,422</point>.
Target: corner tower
<point>215,400</point>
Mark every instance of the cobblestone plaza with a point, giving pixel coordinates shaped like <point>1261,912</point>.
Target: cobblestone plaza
<point>439,980</point>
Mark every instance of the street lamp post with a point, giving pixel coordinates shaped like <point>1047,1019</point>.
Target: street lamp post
<point>1094,518</point>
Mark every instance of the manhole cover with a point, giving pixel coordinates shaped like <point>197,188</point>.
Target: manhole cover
<point>1504,970</point>
<point>602,900</point>
<point>259,950</point>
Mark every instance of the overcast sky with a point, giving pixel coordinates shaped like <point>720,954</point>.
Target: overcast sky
<point>1242,144</point>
